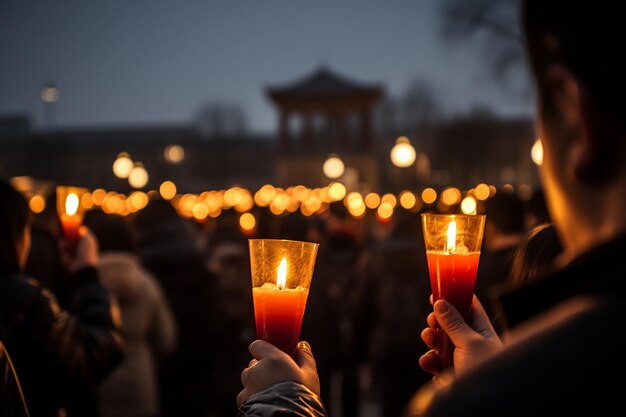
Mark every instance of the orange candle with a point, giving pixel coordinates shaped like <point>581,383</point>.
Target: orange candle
<point>452,278</point>
<point>281,276</point>
<point>453,257</point>
<point>70,214</point>
<point>278,311</point>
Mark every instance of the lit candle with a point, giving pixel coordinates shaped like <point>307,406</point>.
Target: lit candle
<point>453,245</point>
<point>281,276</point>
<point>278,311</point>
<point>70,213</point>
<point>453,274</point>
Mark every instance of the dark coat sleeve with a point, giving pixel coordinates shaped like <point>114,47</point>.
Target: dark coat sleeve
<point>283,399</point>
<point>85,342</point>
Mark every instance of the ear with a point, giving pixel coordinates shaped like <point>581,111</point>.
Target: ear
<point>599,160</point>
<point>587,130</point>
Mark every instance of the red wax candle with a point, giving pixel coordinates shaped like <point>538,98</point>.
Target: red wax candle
<point>70,225</point>
<point>452,277</point>
<point>278,314</point>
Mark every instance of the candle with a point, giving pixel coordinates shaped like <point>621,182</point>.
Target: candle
<point>281,275</point>
<point>70,221</point>
<point>452,251</point>
<point>278,311</point>
<point>452,277</point>
<point>70,213</point>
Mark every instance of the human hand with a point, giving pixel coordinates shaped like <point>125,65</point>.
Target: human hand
<point>86,253</point>
<point>472,342</point>
<point>271,365</point>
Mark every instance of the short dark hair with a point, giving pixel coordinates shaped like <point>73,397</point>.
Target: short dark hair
<point>586,40</point>
<point>535,255</point>
<point>114,234</point>
<point>14,220</point>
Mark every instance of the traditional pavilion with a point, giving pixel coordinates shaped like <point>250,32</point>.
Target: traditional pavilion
<point>325,112</point>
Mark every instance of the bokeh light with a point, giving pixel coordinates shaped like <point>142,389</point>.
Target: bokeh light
<point>403,153</point>
<point>174,154</point>
<point>122,166</point>
<point>333,167</point>
<point>37,203</point>
<point>167,190</point>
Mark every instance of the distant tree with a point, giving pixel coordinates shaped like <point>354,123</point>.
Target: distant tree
<point>494,24</point>
<point>420,106</point>
<point>416,109</point>
<point>221,119</point>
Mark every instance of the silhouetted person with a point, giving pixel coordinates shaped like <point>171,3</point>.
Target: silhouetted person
<point>392,304</point>
<point>504,230</point>
<point>147,322</point>
<point>168,248</point>
<point>329,319</point>
<point>229,261</point>
<point>533,258</point>
<point>60,356</point>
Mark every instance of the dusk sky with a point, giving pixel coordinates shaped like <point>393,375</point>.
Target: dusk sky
<point>146,62</point>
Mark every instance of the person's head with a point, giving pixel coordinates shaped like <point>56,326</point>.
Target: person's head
<point>574,52</point>
<point>535,254</point>
<point>114,235</point>
<point>14,229</point>
<point>505,211</point>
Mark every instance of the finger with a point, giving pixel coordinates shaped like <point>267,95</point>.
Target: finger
<point>245,376</point>
<point>452,322</point>
<point>429,362</point>
<point>242,397</point>
<point>431,299</point>
<point>432,321</point>
<point>429,336</point>
<point>252,363</point>
<point>260,349</point>
<point>304,356</point>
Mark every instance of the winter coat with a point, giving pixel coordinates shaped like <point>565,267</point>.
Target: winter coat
<point>150,333</point>
<point>60,356</point>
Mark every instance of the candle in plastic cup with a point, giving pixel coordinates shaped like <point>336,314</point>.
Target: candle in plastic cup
<point>281,277</point>
<point>453,245</point>
<point>70,213</point>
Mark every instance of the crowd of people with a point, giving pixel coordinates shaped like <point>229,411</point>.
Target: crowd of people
<point>152,315</point>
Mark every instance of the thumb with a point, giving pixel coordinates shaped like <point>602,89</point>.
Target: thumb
<point>304,356</point>
<point>452,322</point>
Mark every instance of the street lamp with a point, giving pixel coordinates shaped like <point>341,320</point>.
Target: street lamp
<point>50,94</point>
<point>536,152</point>
<point>334,167</point>
<point>122,165</point>
<point>403,153</point>
<point>138,177</point>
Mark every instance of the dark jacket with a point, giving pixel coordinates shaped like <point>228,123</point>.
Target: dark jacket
<point>12,403</point>
<point>60,356</point>
<point>565,350</point>
<point>283,399</point>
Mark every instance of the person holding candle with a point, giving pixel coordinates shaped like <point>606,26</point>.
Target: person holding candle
<point>60,356</point>
<point>564,351</point>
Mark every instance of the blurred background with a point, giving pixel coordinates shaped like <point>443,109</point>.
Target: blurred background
<point>211,95</point>
<point>335,122</point>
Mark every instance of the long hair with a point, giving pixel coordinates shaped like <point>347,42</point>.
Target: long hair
<point>14,220</point>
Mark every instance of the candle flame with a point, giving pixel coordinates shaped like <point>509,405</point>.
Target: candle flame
<point>71,204</point>
<point>281,280</point>
<point>451,246</point>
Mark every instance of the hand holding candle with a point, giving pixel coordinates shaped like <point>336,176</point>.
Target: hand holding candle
<point>453,245</point>
<point>281,275</point>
